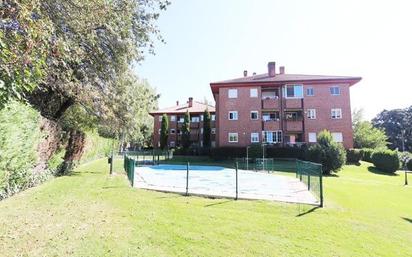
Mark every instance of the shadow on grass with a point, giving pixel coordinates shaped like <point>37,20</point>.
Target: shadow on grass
<point>332,175</point>
<point>379,172</point>
<point>308,211</point>
<point>219,203</point>
<point>407,219</point>
<point>354,163</point>
<point>113,187</point>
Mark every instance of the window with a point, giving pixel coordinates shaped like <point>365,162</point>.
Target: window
<point>172,131</point>
<point>312,137</point>
<point>201,143</point>
<point>272,94</point>
<point>336,113</point>
<point>160,131</point>
<point>270,116</point>
<point>195,119</point>
<point>233,138</point>
<point>337,137</point>
<point>253,92</point>
<point>254,137</point>
<point>213,117</point>
<point>309,91</point>
<point>173,118</point>
<point>201,130</point>
<point>213,131</point>
<point>201,117</point>
<point>311,114</point>
<point>181,120</point>
<point>272,136</point>
<point>254,115</point>
<point>160,118</point>
<point>233,115</point>
<point>232,93</point>
<point>335,90</point>
<point>172,144</point>
<point>213,144</point>
<point>294,91</point>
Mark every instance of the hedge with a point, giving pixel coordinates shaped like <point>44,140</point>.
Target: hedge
<point>366,154</point>
<point>227,152</point>
<point>386,160</point>
<point>353,155</point>
<point>409,164</point>
<point>255,151</point>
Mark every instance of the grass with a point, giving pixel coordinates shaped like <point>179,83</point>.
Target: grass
<point>93,214</point>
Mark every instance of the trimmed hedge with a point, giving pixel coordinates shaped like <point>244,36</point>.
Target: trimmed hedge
<point>353,155</point>
<point>386,160</point>
<point>366,154</point>
<point>409,164</point>
<point>286,152</point>
<point>255,151</point>
<point>227,152</point>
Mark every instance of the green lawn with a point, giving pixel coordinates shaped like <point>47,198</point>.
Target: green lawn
<point>92,214</point>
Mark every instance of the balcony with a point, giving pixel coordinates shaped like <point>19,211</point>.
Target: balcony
<point>294,103</point>
<point>271,125</point>
<point>294,125</point>
<point>194,125</point>
<point>271,103</point>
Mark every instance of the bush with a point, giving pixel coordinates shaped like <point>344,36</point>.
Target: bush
<point>286,152</point>
<point>227,152</point>
<point>353,155</point>
<point>330,154</point>
<point>366,154</point>
<point>409,164</point>
<point>386,160</point>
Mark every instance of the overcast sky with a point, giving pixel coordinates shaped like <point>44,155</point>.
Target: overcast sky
<point>212,40</point>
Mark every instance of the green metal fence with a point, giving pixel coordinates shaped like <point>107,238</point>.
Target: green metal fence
<point>149,157</point>
<point>311,175</point>
<point>256,164</point>
<point>129,165</point>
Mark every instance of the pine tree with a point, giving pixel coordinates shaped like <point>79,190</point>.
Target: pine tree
<point>164,132</point>
<point>186,131</point>
<point>206,129</point>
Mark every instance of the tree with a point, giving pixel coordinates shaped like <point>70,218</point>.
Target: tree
<point>397,124</point>
<point>330,154</point>
<point>206,129</point>
<point>367,136</point>
<point>186,131</point>
<point>164,132</point>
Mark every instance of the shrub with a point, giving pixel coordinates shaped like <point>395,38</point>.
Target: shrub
<point>386,160</point>
<point>227,152</point>
<point>330,154</point>
<point>409,164</point>
<point>366,154</point>
<point>286,152</point>
<point>353,155</point>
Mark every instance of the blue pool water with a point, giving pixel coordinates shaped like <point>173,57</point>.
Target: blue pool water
<point>183,167</point>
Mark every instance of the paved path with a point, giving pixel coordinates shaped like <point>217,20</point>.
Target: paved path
<point>221,182</point>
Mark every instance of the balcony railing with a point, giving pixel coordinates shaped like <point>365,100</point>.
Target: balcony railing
<point>294,125</point>
<point>271,125</point>
<point>294,103</point>
<point>271,103</point>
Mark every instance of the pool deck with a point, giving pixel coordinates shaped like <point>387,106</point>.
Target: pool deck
<point>222,184</point>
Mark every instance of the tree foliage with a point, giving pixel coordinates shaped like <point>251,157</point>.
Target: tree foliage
<point>164,132</point>
<point>367,136</point>
<point>397,124</point>
<point>186,131</point>
<point>206,129</point>
<point>330,154</point>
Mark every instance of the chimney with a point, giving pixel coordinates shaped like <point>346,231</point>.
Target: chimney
<point>282,69</point>
<point>272,69</point>
<point>190,101</point>
<point>177,103</point>
<point>245,73</point>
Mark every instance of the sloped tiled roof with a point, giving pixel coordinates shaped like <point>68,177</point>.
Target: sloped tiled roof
<point>286,78</point>
<point>197,107</point>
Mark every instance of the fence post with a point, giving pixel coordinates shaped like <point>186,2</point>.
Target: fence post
<point>132,175</point>
<point>309,181</point>
<point>321,186</point>
<point>187,179</point>
<point>237,184</point>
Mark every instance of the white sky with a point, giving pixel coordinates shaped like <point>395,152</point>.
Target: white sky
<point>212,40</point>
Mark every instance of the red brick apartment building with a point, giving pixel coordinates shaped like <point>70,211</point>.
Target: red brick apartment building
<point>282,109</point>
<point>176,115</point>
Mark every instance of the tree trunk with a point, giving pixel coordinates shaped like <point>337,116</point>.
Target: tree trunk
<point>74,151</point>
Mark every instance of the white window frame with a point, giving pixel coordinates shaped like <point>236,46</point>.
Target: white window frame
<point>332,89</point>
<point>276,136</point>
<point>213,131</point>
<point>201,130</point>
<point>254,92</point>
<point>232,93</point>
<point>337,137</point>
<point>212,117</point>
<point>201,117</point>
<point>257,115</point>
<point>195,119</point>
<point>336,113</point>
<point>254,137</point>
<point>160,118</point>
<point>235,115</point>
<point>160,131</point>
<point>285,91</point>
<point>311,90</point>
<point>173,118</point>
<point>311,114</point>
<point>312,137</point>
<point>235,139</point>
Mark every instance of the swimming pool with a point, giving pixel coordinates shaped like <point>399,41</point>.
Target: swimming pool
<point>216,181</point>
